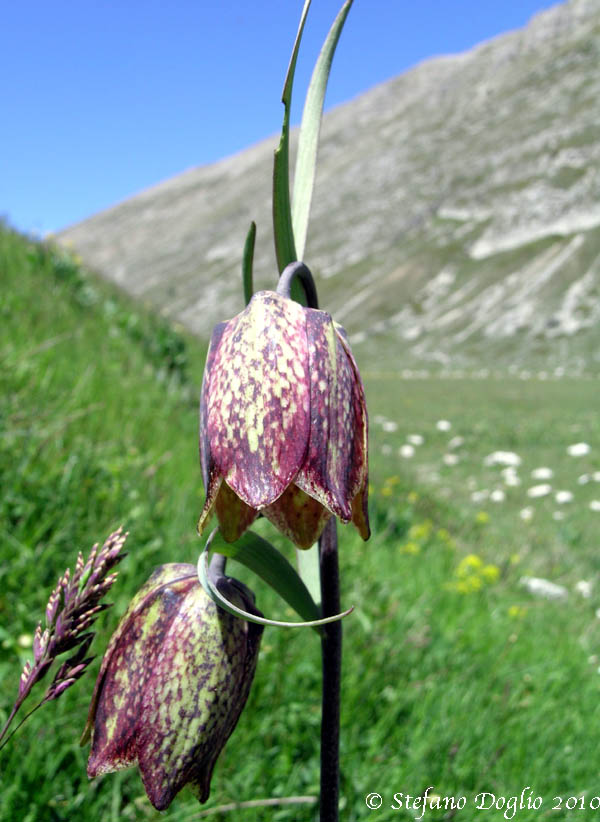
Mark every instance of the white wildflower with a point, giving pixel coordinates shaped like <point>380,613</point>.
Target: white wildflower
<point>416,439</point>
<point>596,476</point>
<point>443,425</point>
<point>595,505</point>
<point>498,495</point>
<point>539,490</point>
<point>542,473</point>
<point>578,449</point>
<point>456,442</point>
<point>450,459</point>
<point>558,515</point>
<point>389,426</point>
<point>406,451</point>
<point>584,587</point>
<point>526,514</point>
<point>480,496</point>
<point>503,458</point>
<point>544,588</point>
<point>583,479</point>
<point>563,496</point>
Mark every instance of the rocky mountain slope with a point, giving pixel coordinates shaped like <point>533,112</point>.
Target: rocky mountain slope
<point>456,217</point>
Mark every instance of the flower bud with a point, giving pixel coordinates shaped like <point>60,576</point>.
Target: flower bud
<point>172,685</point>
<point>283,423</point>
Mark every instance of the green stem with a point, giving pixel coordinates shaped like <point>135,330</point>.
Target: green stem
<point>297,270</point>
<point>16,728</point>
<point>12,714</point>
<point>331,641</point>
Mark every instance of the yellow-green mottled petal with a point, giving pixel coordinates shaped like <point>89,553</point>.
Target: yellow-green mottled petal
<point>233,514</point>
<point>299,516</point>
<point>172,686</point>
<point>360,513</point>
<point>336,463</point>
<point>359,484</point>
<point>212,492</point>
<point>206,461</point>
<point>256,399</point>
<point>283,422</point>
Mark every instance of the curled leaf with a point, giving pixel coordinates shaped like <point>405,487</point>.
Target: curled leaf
<point>219,597</point>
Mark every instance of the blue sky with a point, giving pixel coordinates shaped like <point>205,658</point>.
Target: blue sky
<point>103,99</point>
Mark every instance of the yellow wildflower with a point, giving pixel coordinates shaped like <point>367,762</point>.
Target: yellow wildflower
<point>490,573</point>
<point>468,564</point>
<point>469,584</point>
<point>421,531</point>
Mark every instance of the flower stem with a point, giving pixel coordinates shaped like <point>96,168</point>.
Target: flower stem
<point>16,728</point>
<point>331,650</point>
<point>302,272</point>
<point>8,723</point>
<point>331,642</point>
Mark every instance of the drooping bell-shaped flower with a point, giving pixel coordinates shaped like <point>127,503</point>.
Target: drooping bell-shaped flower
<point>283,423</point>
<point>172,685</point>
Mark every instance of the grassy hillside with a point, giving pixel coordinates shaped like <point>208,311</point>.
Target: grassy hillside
<point>454,674</point>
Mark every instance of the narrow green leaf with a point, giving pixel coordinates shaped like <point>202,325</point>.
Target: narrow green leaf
<point>308,141</point>
<point>285,250</point>
<point>286,95</point>
<point>310,571</point>
<point>247,263</point>
<point>282,214</point>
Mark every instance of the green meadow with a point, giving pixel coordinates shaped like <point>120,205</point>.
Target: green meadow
<point>456,674</point>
